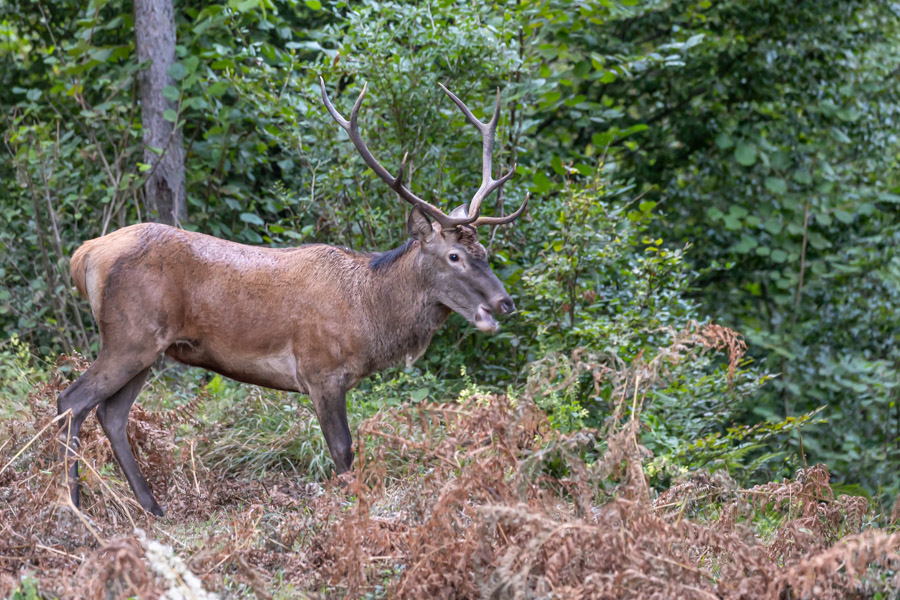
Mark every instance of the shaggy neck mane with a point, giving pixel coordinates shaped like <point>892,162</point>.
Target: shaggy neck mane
<point>401,326</point>
<point>382,261</point>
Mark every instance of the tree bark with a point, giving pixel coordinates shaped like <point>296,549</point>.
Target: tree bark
<point>154,30</point>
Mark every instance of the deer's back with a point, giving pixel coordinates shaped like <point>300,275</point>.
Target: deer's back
<point>244,311</point>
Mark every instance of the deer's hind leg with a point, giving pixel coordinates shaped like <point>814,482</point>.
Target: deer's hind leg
<point>113,416</point>
<point>110,373</point>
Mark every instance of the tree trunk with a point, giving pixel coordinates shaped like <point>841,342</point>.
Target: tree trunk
<point>154,31</point>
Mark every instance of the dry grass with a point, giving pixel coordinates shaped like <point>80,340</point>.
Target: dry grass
<point>479,498</point>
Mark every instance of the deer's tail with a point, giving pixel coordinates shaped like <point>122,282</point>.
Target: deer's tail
<point>78,267</point>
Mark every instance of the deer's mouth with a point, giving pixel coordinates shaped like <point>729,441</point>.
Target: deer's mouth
<point>484,320</point>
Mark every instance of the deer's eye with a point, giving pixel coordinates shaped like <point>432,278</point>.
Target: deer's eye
<point>454,257</point>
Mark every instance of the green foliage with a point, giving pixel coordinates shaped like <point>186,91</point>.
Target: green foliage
<point>772,144</point>
<point>27,590</point>
<point>18,375</point>
<point>597,280</point>
<point>262,431</point>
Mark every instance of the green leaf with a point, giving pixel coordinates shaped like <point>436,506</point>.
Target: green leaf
<point>170,92</point>
<point>419,394</point>
<point>817,240</point>
<point>843,216</point>
<point>745,154</point>
<point>633,129</point>
<point>776,185</point>
<point>557,166</point>
<point>242,6</point>
<point>170,115</point>
<point>723,141</point>
<point>313,4</point>
<point>802,177</point>
<point>838,134</point>
<point>602,140</point>
<point>732,222</point>
<point>778,256</point>
<point>176,71</point>
<point>746,244</point>
<point>584,169</point>
<point>101,54</point>
<point>190,64</point>
<point>714,213</point>
<point>541,183</point>
<point>773,226</point>
<point>252,219</point>
<point>218,88</point>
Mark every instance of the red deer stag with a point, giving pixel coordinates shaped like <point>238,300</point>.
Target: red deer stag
<point>314,319</point>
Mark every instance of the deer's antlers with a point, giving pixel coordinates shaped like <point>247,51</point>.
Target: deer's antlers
<point>488,183</point>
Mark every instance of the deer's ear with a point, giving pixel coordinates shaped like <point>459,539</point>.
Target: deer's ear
<point>419,226</point>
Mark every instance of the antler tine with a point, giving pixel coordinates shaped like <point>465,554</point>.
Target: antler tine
<point>503,220</point>
<point>395,183</point>
<point>488,183</point>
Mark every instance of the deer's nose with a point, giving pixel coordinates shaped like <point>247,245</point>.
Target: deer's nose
<point>503,305</point>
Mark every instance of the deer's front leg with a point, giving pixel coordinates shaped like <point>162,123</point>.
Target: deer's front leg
<point>330,402</point>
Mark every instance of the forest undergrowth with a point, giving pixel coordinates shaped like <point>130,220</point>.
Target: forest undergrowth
<point>479,497</point>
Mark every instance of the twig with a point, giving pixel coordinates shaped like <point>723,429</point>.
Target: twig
<point>54,550</point>
<point>35,437</point>
<point>83,518</point>
<point>194,470</point>
<point>115,496</point>
<point>171,537</point>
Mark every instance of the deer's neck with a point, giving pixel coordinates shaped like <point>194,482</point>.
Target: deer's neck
<point>402,311</point>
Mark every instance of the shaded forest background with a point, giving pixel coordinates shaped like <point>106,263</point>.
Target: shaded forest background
<point>688,162</point>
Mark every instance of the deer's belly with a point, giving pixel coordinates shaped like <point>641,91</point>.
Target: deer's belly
<point>273,369</point>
